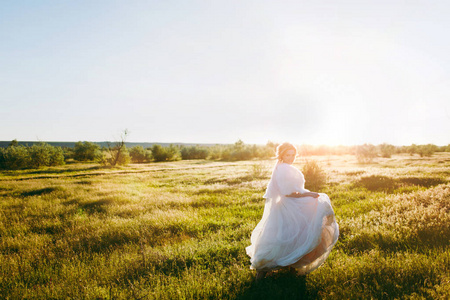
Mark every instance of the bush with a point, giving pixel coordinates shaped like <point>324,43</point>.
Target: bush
<point>15,157</point>
<point>422,150</point>
<point>426,150</point>
<point>386,150</point>
<point>115,156</point>
<point>39,155</point>
<point>170,153</point>
<point>241,151</point>
<point>56,156</point>
<point>366,153</point>
<point>139,154</point>
<point>194,152</point>
<point>412,149</point>
<point>116,153</point>
<point>269,150</point>
<point>123,157</point>
<point>86,151</point>
<point>43,154</point>
<point>315,176</point>
<point>69,153</point>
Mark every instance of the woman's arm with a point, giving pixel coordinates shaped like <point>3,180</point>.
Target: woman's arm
<point>300,195</point>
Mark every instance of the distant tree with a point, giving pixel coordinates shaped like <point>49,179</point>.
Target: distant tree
<point>14,143</point>
<point>14,158</point>
<point>56,156</point>
<point>270,149</point>
<point>241,151</point>
<point>366,153</point>
<point>86,151</point>
<point>158,153</point>
<point>43,154</point>
<point>426,150</point>
<point>441,148</point>
<point>194,152</point>
<point>215,152</point>
<point>139,154</point>
<point>69,153</point>
<point>239,145</point>
<point>117,152</point>
<point>40,155</point>
<point>170,153</point>
<point>413,149</point>
<point>386,150</point>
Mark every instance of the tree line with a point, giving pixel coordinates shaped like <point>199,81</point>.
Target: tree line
<point>17,156</point>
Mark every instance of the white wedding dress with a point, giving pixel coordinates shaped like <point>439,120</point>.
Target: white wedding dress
<point>295,232</point>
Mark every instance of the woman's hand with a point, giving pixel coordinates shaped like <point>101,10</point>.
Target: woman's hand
<point>313,194</point>
<point>307,194</point>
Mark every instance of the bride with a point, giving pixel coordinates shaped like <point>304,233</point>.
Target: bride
<point>298,228</point>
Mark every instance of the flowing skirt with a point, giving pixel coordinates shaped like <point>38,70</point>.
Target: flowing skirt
<point>294,232</point>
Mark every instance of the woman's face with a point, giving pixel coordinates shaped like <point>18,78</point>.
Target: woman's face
<point>288,157</point>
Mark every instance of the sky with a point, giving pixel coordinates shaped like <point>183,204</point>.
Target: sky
<point>307,72</point>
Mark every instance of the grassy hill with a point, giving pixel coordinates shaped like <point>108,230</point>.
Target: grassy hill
<point>178,230</point>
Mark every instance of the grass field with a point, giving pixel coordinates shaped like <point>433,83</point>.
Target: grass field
<point>179,230</point>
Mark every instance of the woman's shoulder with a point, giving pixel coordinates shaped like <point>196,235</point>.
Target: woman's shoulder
<point>284,167</point>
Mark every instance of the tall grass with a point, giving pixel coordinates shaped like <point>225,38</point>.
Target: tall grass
<point>178,230</point>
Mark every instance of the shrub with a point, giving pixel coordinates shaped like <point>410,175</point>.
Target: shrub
<point>366,153</point>
<point>14,143</point>
<point>426,150</point>
<point>215,152</point>
<point>115,156</point>
<point>139,155</point>
<point>56,156</point>
<point>42,154</point>
<point>116,153</point>
<point>123,158</point>
<point>85,151</point>
<point>412,149</point>
<point>386,150</point>
<point>170,153</point>
<point>269,150</point>
<point>315,176</point>
<point>240,151</point>
<point>39,155</point>
<point>194,152</point>
<point>13,158</point>
<point>69,153</point>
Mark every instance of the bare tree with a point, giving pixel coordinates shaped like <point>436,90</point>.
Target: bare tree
<point>118,151</point>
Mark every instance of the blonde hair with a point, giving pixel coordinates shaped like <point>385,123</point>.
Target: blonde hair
<point>283,148</point>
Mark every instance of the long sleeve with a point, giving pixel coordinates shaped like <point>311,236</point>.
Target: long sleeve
<point>289,180</point>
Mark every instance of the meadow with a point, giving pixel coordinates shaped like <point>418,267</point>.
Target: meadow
<point>178,230</point>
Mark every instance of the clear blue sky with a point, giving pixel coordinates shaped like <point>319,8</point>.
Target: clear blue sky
<point>315,72</point>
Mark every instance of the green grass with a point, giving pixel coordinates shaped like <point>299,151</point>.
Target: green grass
<point>178,230</point>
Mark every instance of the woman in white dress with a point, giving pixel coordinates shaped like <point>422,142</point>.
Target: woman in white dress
<point>298,228</point>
